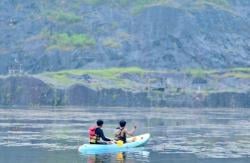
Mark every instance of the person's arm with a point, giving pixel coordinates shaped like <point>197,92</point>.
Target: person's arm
<point>131,132</point>
<point>100,133</point>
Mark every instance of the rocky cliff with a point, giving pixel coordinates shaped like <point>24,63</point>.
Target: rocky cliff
<point>130,87</point>
<point>52,35</point>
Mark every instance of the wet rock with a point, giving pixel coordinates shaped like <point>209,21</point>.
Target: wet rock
<point>157,37</point>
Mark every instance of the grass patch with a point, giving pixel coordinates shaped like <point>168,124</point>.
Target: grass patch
<point>198,72</point>
<point>238,75</point>
<point>112,77</point>
<point>63,16</point>
<point>107,73</point>
<point>239,72</point>
<point>241,69</point>
<point>102,75</point>
<point>63,79</point>
<point>66,41</point>
<point>59,79</point>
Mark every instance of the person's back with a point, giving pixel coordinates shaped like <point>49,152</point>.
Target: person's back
<point>122,132</point>
<point>99,134</point>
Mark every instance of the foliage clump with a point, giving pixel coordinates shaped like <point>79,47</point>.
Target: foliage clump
<point>62,16</point>
<point>67,41</point>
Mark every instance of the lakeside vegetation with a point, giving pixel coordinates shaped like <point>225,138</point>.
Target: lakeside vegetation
<point>111,73</point>
<point>134,78</point>
<point>70,77</point>
<point>108,73</point>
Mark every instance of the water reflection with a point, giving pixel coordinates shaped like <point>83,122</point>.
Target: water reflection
<point>128,156</point>
<point>98,158</point>
<point>95,159</point>
<point>121,157</point>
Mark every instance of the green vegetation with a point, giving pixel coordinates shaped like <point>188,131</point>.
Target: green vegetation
<point>241,73</point>
<point>238,75</point>
<point>116,78</point>
<point>61,78</point>
<point>107,73</point>
<point>221,3</point>
<point>68,42</point>
<point>105,77</point>
<point>139,5</point>
<point>198,72</point>
<point>111,43</point>
<point>63,16</point>
<point>135,5</point>
<point>243,70</point>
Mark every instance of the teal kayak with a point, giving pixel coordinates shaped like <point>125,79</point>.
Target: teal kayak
<point>132,142</point>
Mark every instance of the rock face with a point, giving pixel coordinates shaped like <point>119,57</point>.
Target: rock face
<point>51,35</point>
<point>25,91</point>
<point>229,99</point>
<point>29,91</point>
<point>82,96</point>
<point>175,34</point>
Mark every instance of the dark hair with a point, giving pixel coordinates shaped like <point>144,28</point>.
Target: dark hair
<point>122,123</point>
<point>99,122</point>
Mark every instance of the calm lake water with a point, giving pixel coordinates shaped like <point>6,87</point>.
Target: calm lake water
<point>51,135</point>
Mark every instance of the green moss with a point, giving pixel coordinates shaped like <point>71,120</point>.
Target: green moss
<point>109,73</point>
<point>197,72</point>
<point>112,78</point>
<point>66,41</point>
<point>112,75</point>
<point>60,78</point>
<point>237,75</point>
<point>63,16</point>
<point>240,73</point>
<point>241,69</point>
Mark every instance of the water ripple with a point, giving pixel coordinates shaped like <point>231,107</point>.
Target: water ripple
<point>207,133</point>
